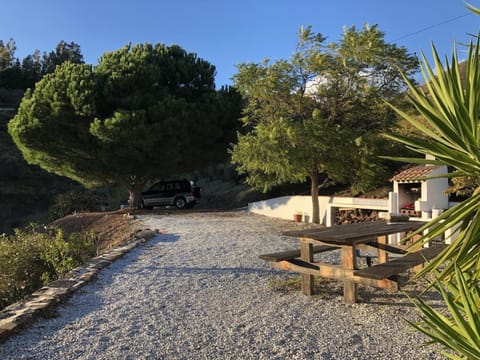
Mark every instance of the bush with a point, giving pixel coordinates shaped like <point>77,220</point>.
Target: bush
<point>74,200</point>
<point>30,258</point>
<point>64,255</point>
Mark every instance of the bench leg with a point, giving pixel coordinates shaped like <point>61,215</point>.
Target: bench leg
<point>306,253</point>
<point>369,261</point>
<point>382,254</point>
<point>417,268</point>
<point>349,261</point>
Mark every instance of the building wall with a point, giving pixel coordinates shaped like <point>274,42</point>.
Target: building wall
<point>284,207</point>
<point>433,194</point>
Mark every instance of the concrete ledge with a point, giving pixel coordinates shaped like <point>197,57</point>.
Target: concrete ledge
<point>23,312</point>
<point>286,206</point>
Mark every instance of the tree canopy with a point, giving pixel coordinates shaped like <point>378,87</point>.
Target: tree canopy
<point>23,73</point>
<point>317,115</point>
<point>144,112</point>
<point>7,53</point>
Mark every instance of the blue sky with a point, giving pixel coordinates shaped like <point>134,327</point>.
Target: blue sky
<point>225,32</point>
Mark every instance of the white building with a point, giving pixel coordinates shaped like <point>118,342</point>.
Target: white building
<point>418,196</point>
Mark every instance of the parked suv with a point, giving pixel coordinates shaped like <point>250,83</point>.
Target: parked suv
<point>180,193</point>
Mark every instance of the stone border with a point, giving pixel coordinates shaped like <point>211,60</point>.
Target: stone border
<point>23,312</point>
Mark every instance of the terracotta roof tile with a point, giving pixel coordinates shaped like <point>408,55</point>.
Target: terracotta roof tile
<point>413,173</point>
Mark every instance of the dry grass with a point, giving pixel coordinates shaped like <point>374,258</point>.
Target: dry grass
<point>111,228</point>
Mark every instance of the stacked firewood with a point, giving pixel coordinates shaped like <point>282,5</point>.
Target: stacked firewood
<point>350,216</point>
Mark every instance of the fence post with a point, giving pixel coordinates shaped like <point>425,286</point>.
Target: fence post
<point>393,210</point>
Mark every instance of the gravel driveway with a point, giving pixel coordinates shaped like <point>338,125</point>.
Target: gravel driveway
<point>199,291</point>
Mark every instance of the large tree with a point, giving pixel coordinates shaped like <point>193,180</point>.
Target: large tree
<point>7,53</point>
<point>23,74</point>
<point>63,52</point>
<point>315,115</point>
<point>142,113</point>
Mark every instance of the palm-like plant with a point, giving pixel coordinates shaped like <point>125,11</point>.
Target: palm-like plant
<point>452,111</point>
<point>460,331</point>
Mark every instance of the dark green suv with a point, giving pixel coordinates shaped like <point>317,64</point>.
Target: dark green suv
<point>179,193</point>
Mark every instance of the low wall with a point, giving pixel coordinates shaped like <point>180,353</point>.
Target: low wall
<point>284,207</point>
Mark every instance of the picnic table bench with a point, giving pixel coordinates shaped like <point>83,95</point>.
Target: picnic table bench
<point>399,265</point>
<point>349,238</point>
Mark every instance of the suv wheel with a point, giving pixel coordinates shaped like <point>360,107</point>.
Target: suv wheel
<point>180,203</point>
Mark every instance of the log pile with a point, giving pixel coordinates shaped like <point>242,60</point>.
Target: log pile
<point>350,216</point>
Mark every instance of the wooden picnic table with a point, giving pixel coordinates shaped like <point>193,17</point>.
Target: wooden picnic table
<point>349,238</point>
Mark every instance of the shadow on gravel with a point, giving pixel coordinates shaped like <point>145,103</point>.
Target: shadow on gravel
<point>163,238</point>
<point>398,299</point>
<point>67,313</point>
<point>175,271</point>
<point>332,291</point>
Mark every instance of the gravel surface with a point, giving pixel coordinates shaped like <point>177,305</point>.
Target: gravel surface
<point>199,291</point>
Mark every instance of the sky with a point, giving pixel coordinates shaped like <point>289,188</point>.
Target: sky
<point>229,32</point>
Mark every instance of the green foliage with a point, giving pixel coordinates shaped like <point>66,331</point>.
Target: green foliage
<point>23,74</point>
<point>142,113</point>
<point>450,106</point>
<point>314,115</point>
<point>64,255</point>
<point>463,186</point>
<point>31,257</point>
<point>227,114</point>
<point>370,173</point>
<point>458,328</point>
<point>75,200</point>
<point>40,127</point>
<point>21,266</point>
<point>7,53</point>
<point>452,111</point>
<point>63,52</point>
<point>279,152</point>
<point>26,192</point>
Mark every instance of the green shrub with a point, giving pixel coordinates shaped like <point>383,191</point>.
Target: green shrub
<point>62,256</point>
<point>31,257</point>
<point>75,200</point>
<point>21,266</point>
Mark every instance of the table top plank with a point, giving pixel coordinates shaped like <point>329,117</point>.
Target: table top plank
<point>354,233</point>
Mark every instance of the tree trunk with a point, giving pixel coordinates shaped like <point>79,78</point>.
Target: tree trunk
<point>315,203</point>
<point>135,195</point>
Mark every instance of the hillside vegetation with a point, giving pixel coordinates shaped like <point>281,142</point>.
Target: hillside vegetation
<point>26,191</point>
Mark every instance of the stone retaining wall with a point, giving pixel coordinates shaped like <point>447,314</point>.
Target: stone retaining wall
<point>21,313</point>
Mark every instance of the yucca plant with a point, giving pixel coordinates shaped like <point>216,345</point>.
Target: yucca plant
<point>459,331</point>
<point>452,110</point>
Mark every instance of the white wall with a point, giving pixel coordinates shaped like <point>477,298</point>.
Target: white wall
<point>433,195</point>
<point>284,207</point>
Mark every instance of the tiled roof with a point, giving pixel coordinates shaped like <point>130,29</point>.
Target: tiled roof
<point>413,173</point>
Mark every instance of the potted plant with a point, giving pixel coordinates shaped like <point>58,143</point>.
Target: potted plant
<point>297,216</point>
